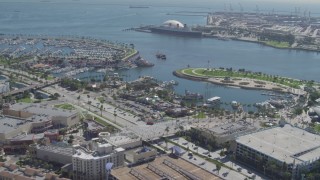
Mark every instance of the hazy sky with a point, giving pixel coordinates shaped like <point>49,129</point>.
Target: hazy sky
<point>312,5</point>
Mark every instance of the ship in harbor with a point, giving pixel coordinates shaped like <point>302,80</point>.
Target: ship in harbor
<point>138,6</point>
<point>174,27</point>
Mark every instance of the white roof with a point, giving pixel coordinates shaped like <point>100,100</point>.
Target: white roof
<point>285,144</point>
<point>173,23</point>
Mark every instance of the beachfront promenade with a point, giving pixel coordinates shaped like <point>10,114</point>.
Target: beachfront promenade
<point>246,80</point>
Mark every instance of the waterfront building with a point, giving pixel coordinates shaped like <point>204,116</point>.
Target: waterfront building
<point>288,148</point>
<point>90,162</point>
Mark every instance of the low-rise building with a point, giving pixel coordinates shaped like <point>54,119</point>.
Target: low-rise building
<point>126,140</point>
<point>23,118</point>
<point>11,127</point>
<point>288,148</point>
<point>141,154</point>
<point>59,153</point>
<point>226,132</point>
<point>59,117</point>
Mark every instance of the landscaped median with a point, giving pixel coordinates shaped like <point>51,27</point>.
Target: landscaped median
<point>242,78</point>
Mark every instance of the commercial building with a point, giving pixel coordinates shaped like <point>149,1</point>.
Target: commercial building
<point>59,153</point>
<point>126,140</point>
<point>58,117</point>
<point>225,132</point>
<point>141,154</point>
<point>23,118</point>
<point>90,162</point>
<point>288,146</point>
<point>11,127</point>
<point>163,167</point>
<point>92,129</point>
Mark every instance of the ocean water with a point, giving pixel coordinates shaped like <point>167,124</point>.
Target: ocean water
<point>107,20</point>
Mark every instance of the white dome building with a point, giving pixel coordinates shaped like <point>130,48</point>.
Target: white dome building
<point>173,24</point>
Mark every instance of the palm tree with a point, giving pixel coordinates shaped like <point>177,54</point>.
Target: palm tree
<point>181,128</point>
<point>167,129</point>
<point>78,98</point>
<point>233,158</point>
<point>218,167</point>
<point>101,108</point>
<point>115,115</point>
<point>89,102</point>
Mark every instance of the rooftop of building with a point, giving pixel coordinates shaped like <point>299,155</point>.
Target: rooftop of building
<point>8,124</point>
<point>123,138</point>
<point>12,171</point>
<point>145,170</point>
<point>287,144</point>
<point>93,126</point>
<point>97,148</point>
<point>27,137</point>
<point>229,128</point>
<point>43,109</point>
<point>58,148</point>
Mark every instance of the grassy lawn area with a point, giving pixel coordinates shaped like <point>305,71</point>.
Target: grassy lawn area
<point>277,44</point>
<point>101,99</point>
<point>200,72</point>
<point>50,78</point>
<point>25,100</point>
<point>200,115</point>
<point>317,128</point>
<point>108,126</point>
<point>65,106</point>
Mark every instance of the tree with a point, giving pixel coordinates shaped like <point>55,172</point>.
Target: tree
<point>101,108</point>
<point>218,167</point>
<point>167,129</point>
<point>115,115</point>
<point>89,102</point>
<point>78,98</point>
<point>222,153</point>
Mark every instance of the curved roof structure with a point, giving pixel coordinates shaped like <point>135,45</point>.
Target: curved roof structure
<point>173,24</point>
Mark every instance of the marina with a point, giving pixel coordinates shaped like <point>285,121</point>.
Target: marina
<point>182,51</point>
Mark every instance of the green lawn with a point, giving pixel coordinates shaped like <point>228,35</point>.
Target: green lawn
<point>200,115</point>
<point>101,99</point>
<point>65,106</point>
<point>201,72</point>
<point>110,128</point>
<point>50,78</point>
<point>277,44</point>
<point>317,128</point>
<point>25,100</point>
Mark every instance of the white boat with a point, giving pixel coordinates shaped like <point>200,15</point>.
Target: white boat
<point>214,101</point>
